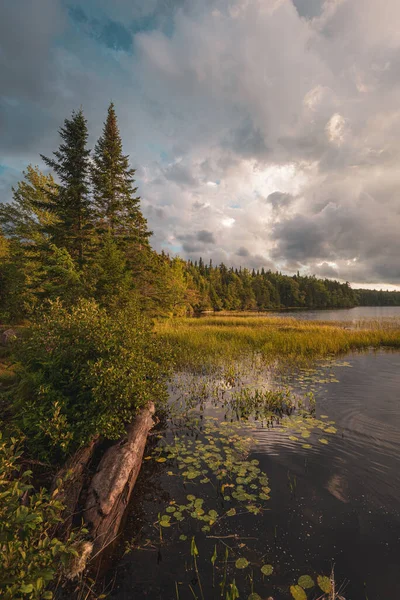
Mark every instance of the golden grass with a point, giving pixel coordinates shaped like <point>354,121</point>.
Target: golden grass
<point>209,340</point>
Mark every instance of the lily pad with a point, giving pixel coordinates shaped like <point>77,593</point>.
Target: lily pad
<point>267,570</point>
<point>306,582</point>
<point>324,583</point>
<point>241,563</point>
<point>298,593</point>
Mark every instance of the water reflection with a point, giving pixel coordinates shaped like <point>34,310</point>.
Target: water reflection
<point>330,504</point>
<point>343,314</point>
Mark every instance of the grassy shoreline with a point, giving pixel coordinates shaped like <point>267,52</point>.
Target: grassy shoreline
<point>212,340</point>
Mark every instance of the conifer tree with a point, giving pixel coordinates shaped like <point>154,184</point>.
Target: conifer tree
<point>116,204</point>
<point>72,204</point>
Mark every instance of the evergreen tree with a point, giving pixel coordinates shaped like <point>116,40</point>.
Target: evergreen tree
<point>116,204</point>
<point>113,280</point>
<point>31,212</point>
<point>72,204</point>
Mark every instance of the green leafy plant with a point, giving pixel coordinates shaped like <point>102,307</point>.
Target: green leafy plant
<point>88,371</point>
<point>31,554</point>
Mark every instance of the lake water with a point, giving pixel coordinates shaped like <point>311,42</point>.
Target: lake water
<point>335,504</point>
<point>343,314</point>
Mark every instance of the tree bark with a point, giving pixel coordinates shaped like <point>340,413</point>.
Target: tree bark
<point>73,475</point>
<point>111,487</point>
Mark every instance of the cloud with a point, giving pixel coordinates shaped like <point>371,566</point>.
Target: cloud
<point>242,251</point>
<point>266,128</point>
<point>207,237</point>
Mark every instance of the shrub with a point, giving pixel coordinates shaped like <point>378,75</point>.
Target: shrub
<point>84,372</point>
<point>31,555</point>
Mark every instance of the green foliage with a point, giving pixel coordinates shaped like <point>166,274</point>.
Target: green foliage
<point>225,288</point>
<point>71,204</point>
<point>116,205</point>
<point>31,555</point>
<point>85,373</point>
<point>241,563</point>
<point>378,298</point>
<point>306,582</point>
<point>4,246</point>
<point>298,593</point>
<point>324,583</point>
<point>60,277</point>
<point>267,570</point>
<point>31,212</point>
<point>113,280</point>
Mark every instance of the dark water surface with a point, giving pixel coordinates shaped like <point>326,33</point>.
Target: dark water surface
<point>343,314</point>
<point>335,504</point>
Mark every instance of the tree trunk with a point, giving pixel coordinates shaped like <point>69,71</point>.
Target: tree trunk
<point>73,475</point>
<point>111,487</point>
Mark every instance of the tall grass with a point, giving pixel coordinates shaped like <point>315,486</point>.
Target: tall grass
<point>210,340</point>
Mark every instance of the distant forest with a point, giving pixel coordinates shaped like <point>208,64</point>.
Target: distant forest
<point>223,288</point>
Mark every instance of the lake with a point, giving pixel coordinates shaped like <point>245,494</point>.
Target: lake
<point>334,504</point>
<point>343,314</point>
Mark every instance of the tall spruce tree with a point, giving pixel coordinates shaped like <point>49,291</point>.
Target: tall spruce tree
<point>114,193</point>
<point>72,204</point>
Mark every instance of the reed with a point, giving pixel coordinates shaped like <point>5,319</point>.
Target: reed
<point>212,340</point>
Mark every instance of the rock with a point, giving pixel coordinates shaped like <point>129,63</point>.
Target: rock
<point>8,336</point>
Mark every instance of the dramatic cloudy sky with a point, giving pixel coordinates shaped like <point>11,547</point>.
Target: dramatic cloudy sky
<point>264,132</point>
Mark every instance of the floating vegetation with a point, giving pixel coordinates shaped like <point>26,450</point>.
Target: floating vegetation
<point>216,483</point>
<point>219,459</point>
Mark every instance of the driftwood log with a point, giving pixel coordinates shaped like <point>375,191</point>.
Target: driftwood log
<point>111,486</point>
<point>73,475</point>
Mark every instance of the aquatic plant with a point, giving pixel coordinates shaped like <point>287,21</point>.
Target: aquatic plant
<point>202,343</point>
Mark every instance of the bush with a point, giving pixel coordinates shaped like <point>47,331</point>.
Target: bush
<point>85,373</point>
<point>30,554</point>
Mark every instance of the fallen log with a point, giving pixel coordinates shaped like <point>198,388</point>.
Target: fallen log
<point>73,477</point>
<point>111,486</point>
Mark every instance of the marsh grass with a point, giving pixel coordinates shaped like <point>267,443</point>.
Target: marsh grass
<point>201,343</point>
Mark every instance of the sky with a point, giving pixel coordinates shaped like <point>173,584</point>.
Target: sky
<point>264,133</point>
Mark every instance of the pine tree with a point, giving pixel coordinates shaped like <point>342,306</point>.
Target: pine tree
<point>71,203</point>
<point>27,218</point>
<point>116,204</point>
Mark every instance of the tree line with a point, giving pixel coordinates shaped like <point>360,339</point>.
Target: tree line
<point>223,288</point>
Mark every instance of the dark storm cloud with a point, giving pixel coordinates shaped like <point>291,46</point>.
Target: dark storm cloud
<point>309,8</point>
<point>207,237</point>
<point>299,238</point>
<point>279,201</point>
<point>198,238</point>
<point>246,140</point>
<point>242,251</point>
<point>180,174</point>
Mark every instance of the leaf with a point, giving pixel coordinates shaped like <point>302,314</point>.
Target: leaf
<point>26,588</point>
<point>161,459</point>
<point>306,582</point>
<point>298,593</point>
<point>241,563</point>
<point>231,512</point>
<point>193,548</point>
<point>267,570</point>
<point>183,537</point>
<point>254,596</point>
<point>323,441</point>
<point>214,556</point>
<point>324,583</point>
